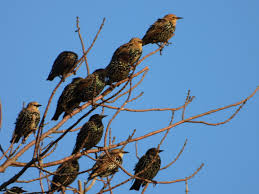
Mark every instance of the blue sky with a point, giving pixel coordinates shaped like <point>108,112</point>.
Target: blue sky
<point>214,53</point>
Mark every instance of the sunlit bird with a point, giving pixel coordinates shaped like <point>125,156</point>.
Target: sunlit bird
<point>26,122</point>
<point>161,31</point>
<point>63,64</point>
<point>104,166</point>
<point>123,59</point>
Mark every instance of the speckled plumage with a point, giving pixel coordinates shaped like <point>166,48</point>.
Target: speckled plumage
<point>63,64</point>
<point>161,31</point>
<point>151,169</point>
<point>67,101</point>
<point>91,86</point>
<point>27,122</point>
<point>123,59</point>
<point>69,170</point>
<point>105,166</point>
<point>90,134</point>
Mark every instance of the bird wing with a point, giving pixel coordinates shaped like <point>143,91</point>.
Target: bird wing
<point>88,81</point>
<point>156,28</point>
<point>141,164</point>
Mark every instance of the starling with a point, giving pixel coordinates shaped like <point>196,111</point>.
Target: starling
<point>162,30</point>
<point>91,86</point>
<point>27,122</point>
<point>105,166</point>
<point>150,165</point>
<point>67,101</point>
<point>123,59</point>
<point>90,134</point>
<point>14,190</point>
<point>63,64</point>
<point>65,174</point>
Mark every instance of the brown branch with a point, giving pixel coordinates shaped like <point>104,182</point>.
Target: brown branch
<point>145,188</point>
<point>39,133</point>
<point>179,154</point>
<point>180,180</point>
<point>96,36</point>
<point>220,123</point>
<point>186,187</point>
<point>136,150</point>
<point>82,44</point>
<point>73,130</point>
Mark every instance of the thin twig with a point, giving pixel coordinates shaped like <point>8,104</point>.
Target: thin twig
<point>82,44</point>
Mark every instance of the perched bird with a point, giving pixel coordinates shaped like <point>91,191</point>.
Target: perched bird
<point>63,64</point>
<point>91,86</point>
<point>148,166</point>
<point>90,134</point>
<point>105,166</point>
<point>67,101</point>
<point>162,30</point>
<point>65,175</point>
<point>14,190</point>
<point>27,122</point>
<point>123,59</point>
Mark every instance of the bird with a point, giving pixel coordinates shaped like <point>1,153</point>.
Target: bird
<point>67,101</point>
<point>90,134</point>
<point>14,190</point>
<point>161,31</point>
<point>63,64</point>
<point>147,168</point>
<point>104,166</point>
<point>26,122</point>
<point>65,174</point>
<point>123,59</point>
<point>91,86</point>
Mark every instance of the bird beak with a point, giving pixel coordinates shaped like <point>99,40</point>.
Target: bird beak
<point>104,116</point>
<point>39,105</point>
<point>125,152</point>
<point>179,18</point>
<point>160,151</point>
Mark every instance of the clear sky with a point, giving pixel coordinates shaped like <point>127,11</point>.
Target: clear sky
<point>214,53</point>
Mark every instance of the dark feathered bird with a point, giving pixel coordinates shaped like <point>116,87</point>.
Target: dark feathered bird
<point>27,122</point>
<point>105,166</point>
<point>65,175</point>
<point>14,190</point>
<point>123,59</point>
<point>149,169</point>
<point>162,30</point>
<point>67,101</point>
<point>63,64</point>
<point>91,86</point>
<point>90,134</point>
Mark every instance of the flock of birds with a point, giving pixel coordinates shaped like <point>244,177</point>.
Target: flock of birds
<point>86,89</point>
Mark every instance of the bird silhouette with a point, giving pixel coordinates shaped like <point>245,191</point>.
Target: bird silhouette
<point>63,64</point>
<point>147,167</point>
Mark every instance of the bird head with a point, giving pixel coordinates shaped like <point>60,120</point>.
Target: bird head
<point>97,117</point>
<point>153,151</point>
<point>33,104</point>
<point>137,41</point>
<point>101,73</point>
<point>119,152</point>
<point>172,18</point>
